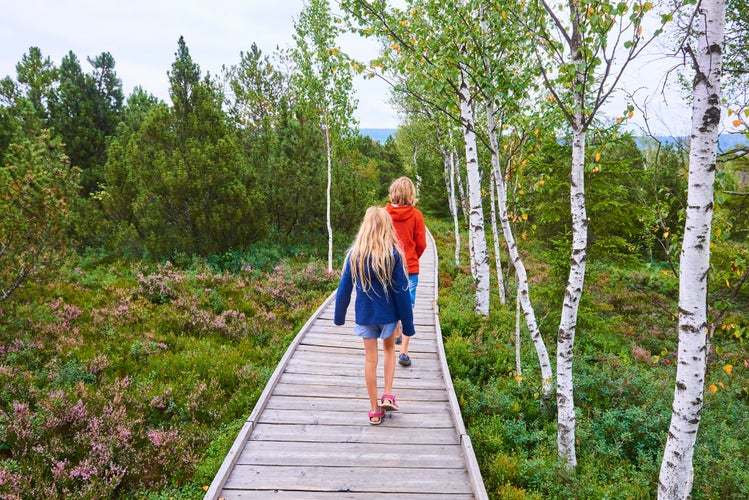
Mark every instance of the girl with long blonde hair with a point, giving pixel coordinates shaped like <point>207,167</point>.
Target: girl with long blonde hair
<point>375,268</point>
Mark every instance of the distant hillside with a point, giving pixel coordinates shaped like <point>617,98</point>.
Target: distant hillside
<point>725,141</point>
<point>378,134</point>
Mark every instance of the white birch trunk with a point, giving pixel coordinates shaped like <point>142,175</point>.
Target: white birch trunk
<point>523,292</point>
<point>454,209</point>
<point>461,191</point>
<point>676,475</point>
<point>568,322</point>
<point>449,166</point>
<point>477,236</point>
<point>327,195</point>
<point>495,171</point>
<point>518,364</point>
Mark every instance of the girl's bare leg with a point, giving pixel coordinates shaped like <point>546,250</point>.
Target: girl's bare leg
<point>370,372</point>
<point>388,348</point>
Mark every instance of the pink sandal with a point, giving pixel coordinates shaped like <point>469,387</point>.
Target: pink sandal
<point>379,415</point>
<point>387,402</point>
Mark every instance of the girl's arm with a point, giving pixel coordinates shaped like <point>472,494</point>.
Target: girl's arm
<point>343,295</point>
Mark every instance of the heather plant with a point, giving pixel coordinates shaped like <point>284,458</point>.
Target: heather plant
<point>131,381</point>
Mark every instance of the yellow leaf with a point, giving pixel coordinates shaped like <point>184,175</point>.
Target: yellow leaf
<point>205,488</point>
<point>728,369</point>
<point>730,111</point>
<point>639,30</point>
<point>665,273</point>
<point>536,132</point>
<point>665,235</point>
<point>518,378</point>
<point>713,388</point>
<point>737,123</point>
<point>619,120</point>
<point>525,216</point>
<point>524,236</point>
<point>721,385</point>
<point>630,114</point>
<point>598,156</point>
<point>542,182</point>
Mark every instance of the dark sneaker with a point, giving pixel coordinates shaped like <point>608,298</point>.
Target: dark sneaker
<point>404,360</point>
<point>399,340</point>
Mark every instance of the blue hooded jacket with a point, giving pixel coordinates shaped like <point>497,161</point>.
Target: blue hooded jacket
<point>375,307</point>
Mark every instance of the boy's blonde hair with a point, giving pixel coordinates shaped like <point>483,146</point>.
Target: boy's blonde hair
<point>403,192</point>
<point>372,250</point>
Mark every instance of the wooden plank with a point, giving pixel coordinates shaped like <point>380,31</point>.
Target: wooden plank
<point>336,495</point>
<point>355,405</point>
<point>329,417</point>
<point>352,454</point>
<point>350,479</point>
<point>363,433</point>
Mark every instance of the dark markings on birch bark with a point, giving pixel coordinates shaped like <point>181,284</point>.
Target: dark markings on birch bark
<point>710,119</point>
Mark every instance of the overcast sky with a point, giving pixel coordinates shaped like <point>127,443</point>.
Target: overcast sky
<point>142,36</point>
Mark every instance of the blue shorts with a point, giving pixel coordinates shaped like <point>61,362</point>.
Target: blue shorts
<point>375,331</point>
<point>413,281</point>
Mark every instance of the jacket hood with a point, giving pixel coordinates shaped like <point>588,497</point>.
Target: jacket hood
<point>401,212</point>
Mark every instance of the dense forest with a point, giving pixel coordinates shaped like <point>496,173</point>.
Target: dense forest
<point>156,258</point>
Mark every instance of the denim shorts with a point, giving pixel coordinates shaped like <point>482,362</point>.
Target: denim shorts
<point>376,331</point>
<point>413,281</point>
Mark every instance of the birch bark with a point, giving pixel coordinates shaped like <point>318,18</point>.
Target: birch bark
<point>480,256</point>
<point>676,474</point>
<point>523,292</point>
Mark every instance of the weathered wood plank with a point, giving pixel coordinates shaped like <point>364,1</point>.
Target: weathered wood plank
<point>354,405</point>
<point>354,433</point>
<point>350,479</point>
<point>336,495</point>
<point>352,454</point>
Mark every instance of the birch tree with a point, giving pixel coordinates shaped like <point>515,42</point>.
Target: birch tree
<point>582,51</point>
<point>324,80</point>
<point>429,44</point>
<point>676,474</point>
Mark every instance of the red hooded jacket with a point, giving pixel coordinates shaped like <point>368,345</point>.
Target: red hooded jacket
<point>411,231</point>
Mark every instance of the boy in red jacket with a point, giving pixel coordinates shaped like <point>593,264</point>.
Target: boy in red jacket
<point>409,226</point>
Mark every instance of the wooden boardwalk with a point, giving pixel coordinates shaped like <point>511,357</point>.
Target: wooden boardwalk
<point>309,435</point>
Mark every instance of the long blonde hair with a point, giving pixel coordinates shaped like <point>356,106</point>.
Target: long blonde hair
<point>372,251</point>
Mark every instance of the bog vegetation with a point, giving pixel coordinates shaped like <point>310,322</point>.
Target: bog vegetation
<point>156,258</point>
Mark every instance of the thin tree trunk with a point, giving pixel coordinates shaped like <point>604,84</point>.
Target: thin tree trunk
<point>523,292</point>
<point>568,322</point>
<point>454,209</point>
<point>518,364</point>
<point>461,191</point>
<point>495,169</point>
<point>329,224</point>
<point>476,227</point>
<point>676,474</point>
<point>449,166</point>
